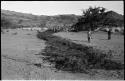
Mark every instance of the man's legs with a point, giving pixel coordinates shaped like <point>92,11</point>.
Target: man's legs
<point>109,37</point>
<point>89,39</point>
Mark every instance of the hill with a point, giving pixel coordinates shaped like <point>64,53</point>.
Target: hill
<point>34,20</point>
<point>116,17</point>
<point>30,20</point>
<point>20,18</point>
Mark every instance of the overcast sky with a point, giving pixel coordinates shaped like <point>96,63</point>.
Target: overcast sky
<point>59,7</point>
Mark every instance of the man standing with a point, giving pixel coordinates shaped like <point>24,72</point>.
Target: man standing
<point>109,34</point>
<point>89,36</point>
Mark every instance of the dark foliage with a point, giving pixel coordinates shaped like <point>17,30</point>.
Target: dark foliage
<point>7,23</point>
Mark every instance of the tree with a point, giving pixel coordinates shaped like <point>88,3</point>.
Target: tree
<point>92,17</point>
<point>96,17</point>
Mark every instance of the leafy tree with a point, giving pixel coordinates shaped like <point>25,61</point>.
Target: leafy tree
<point>92,17</point>
<point>96,17</point>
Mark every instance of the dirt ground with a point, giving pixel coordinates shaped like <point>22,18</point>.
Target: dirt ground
<point>21,60</point>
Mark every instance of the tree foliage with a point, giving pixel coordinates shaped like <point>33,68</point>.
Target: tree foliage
<point>93,18</point>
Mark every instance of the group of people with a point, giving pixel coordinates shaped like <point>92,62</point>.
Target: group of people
<point>90,35</point>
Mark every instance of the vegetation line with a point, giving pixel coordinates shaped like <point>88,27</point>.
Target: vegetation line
<point>73,57</point>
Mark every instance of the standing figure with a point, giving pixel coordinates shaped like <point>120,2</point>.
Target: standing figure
<point>89,36</point>
<point>109,34</point>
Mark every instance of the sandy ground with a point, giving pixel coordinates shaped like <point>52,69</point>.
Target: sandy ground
<point>21,60</point>
<point>19,56</point>
<point>99,41</point>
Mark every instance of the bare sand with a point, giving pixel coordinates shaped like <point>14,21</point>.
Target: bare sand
<point>19,53</point>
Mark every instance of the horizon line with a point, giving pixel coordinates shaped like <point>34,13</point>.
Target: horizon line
<point>49,15</point>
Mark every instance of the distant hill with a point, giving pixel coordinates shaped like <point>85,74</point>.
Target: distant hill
<point>34,20</point>
<point>18,14</point>
<point>23,19</point>
<point>116,17</point>
<point>20,18</point>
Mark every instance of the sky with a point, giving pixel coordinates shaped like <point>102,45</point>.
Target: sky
<point>59,7</point>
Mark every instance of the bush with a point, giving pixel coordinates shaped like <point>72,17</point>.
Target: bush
<point>8,23</point>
